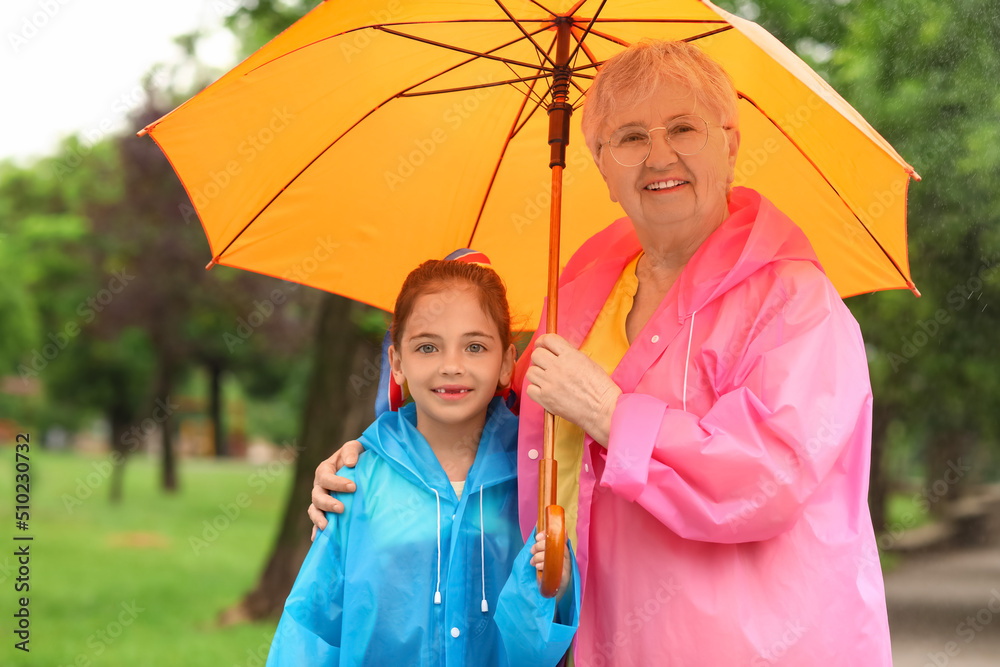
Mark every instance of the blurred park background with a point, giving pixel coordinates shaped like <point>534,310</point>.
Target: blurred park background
<point>176,415</point>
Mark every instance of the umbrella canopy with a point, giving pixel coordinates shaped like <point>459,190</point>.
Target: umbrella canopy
<point>369,137</point>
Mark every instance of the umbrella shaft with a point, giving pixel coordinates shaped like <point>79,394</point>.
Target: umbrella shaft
<point>559,114</point>
<point>555,221</point>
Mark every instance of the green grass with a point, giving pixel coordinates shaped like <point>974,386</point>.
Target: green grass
<point>126,584</point>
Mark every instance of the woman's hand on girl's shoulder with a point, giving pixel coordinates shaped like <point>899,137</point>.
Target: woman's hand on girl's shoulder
<point>327,481</point>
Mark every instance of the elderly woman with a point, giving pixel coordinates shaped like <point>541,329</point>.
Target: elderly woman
<point>713,402</point>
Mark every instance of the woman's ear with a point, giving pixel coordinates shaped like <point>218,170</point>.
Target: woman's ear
<point>396,364</point>
<point>598,160</point>
<point>507,367</point>
<point>733,137</point>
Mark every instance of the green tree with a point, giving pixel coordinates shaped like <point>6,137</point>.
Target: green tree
<point>336,409</point>
<point>924,73</point>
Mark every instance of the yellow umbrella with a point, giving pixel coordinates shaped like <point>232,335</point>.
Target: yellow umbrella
<point>369,137</point>
<point>329,142</point>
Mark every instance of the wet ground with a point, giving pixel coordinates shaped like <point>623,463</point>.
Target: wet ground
<point>944,609</point>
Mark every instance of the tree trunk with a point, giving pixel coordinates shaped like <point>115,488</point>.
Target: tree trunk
<point>946,478</point>
<point>121,416</point>
<point>878,484</point>
<point>215,409</point>
<point>337,408</point>
<point>164,386</point>
<point>119,452</point>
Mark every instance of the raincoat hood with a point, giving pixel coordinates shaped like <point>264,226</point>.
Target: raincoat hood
<point>754,236</point>
<point>395,438</point>
<point>738,249</point>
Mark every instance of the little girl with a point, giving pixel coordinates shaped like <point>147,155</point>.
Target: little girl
<point>426,564</point>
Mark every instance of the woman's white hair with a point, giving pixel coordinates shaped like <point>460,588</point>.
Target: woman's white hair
<point>630,77</point>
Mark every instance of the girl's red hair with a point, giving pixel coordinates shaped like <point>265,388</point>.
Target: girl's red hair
<point>437,275</point>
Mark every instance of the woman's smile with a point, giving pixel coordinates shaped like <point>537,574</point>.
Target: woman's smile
<point>670,184</point>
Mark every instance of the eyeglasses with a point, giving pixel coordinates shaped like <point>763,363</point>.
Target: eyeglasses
<point>630,145</point>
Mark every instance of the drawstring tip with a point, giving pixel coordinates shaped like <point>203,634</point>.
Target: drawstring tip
<point>486,607</point>
<point>437,597</point>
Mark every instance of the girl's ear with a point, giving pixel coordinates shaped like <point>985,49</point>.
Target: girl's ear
<point>507,367</point>
<point>396,364</point>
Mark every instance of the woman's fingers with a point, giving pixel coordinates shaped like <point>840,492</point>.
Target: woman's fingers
<point>553,343</point>
<point>542,358</point>
<point>327,480</point>
<point>322,501</point>
<point>318,519</point>
<point>346,456</point>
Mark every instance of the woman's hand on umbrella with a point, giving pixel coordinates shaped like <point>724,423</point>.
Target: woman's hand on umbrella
<point>567,383</point>
<point>327,480</point>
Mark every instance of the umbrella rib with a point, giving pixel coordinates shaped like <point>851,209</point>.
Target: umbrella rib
<point>382,26</point>
<point>293,179</point>
<point>827,181</point>
<point>459,49</point>
<point>538,67</point>
<point>622,42</point>
<point>517,130</point>
<point>531,87</point>
<point>405,92</point>
<point>613,20</point>
<point>548,90</point>
<point>593,20</point>
<point>459,89</point>
<point>496,167</point>
<point>586,51</point>
<point>218,256</point>
<point>524,32</point>
<point>610,38</point>
<point>708,34</point>
<point>539,5</point>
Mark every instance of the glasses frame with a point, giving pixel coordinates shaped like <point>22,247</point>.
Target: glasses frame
<point>649,146</point>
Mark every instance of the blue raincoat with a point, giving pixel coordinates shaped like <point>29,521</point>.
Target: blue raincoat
<point>410,574</point>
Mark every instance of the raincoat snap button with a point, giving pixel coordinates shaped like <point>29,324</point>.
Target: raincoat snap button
<point>532,454</point>
<point>654,339</point>
<point>455,633</point>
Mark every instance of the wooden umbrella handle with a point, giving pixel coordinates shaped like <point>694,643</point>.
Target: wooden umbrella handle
<point>555,551</point>
<point>551,520</point>
<point>551,517</point>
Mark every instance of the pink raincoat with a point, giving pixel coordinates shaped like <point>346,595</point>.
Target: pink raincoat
<point>727,521</point>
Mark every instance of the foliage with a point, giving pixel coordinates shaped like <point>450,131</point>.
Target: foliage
<point>144,553</point>
<point>923,73</point>
<point>256,22</point>
<point>111,285</point>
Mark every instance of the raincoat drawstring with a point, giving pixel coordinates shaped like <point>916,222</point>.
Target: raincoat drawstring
<point>437,590</point>
<point>687,362</point>
<point>482,549</point>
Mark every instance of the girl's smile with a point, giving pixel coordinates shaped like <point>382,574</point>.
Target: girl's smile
<point>452,362</point>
